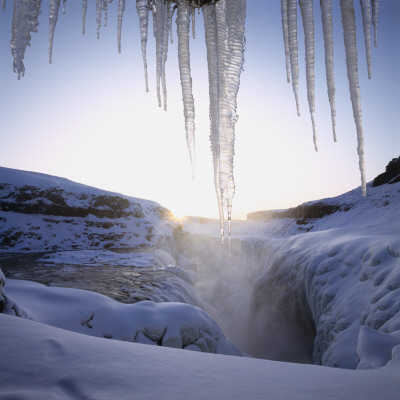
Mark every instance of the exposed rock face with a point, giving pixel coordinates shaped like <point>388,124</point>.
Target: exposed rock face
<point>302,212</point>
<point>40,213</point>
<point>322,208</point>
<point>391,175</point>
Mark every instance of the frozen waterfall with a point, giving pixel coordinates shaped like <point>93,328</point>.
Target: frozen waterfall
<point>224,22</point>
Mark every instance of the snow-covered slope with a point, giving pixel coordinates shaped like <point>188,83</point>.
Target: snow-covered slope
<point>40,212</point>
<point>334,281</point>
<point>167,324</point>
<point>42,362</point>
<point>343,271</point>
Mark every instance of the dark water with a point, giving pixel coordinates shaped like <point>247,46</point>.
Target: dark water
<point>121,283</point>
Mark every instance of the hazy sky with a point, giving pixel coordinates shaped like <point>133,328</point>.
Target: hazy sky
<point>87,116</point>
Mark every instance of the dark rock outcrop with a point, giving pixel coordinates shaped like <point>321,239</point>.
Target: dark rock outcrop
<point>302,212</point>
<point>391,174</point>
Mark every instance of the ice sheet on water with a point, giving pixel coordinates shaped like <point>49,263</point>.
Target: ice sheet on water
<point>102,257</point>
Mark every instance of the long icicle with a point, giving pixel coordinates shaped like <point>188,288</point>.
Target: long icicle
<point>165,41</point>
<point>143,13</point>
<point>224,161</point>
<point>293,49</point>
<point>375,14</point>
<point>99,8</point>
<point>182,21</point>
<point>306,7</point>
<point>349,34</point>
<point>84,10</point>
<point>235,20</point>
<point>121,9</point>
<point>54,6</point>
<point>285,31</point>
<point>3,5</point>
<point>326,11</point>
<point>159,19</point>
<point>211,37</point>
<point>366,15</point>
<point>193,21</point>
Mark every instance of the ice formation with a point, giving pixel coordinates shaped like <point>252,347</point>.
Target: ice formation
<point>306,7</point>
<point>326,11</point>
<point>224,35</point>
<point>289,28</point>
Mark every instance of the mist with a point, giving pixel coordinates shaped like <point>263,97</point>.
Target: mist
<point>255,309</point>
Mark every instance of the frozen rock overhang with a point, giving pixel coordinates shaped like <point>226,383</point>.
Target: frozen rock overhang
<point>224,22</point>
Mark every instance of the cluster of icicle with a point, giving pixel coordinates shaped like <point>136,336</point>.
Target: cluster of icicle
<point>289,27</point>
<point>224,35</point>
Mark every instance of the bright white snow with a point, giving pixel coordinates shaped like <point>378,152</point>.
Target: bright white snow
<point>39,361</point>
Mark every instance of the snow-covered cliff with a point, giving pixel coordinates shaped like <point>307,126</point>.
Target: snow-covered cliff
<point>40,212</point>
<point>328,282</point>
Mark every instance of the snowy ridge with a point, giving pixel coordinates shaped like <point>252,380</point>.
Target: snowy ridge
<point>167,324</point>
<point>39,212</point>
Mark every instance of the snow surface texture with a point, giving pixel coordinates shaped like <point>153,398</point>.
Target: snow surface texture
<point>42,362</point>
<point>170,324</point>
<point>224,23</point>
<point>40,212</point>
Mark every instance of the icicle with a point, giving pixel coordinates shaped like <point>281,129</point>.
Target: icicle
<point>54,6</point>
<point>105,9</point>
<point>284,11</point>
<point>159,14</point>
<point>171,14</point>
<point>326,11</point>
<point>375,13</point>
<point>193,21</point>
<point>165,38</point>
<point>121,9</point>
<point>366,15</point>
<point>182,22</point>
<point>143,13</point>
<point>25,21</point>
<point>306,7</point>
<point>64,7</point>
<point>153,14</point>
<point>293,49</point>
<point>235,18</point>
<point>84,10</point>
<point>349,33</point>
<point>3,5</point>
<point>210,30</point>
<point>99,7</point>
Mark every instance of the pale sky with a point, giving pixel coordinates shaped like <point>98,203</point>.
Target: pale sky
<point>87,117</point>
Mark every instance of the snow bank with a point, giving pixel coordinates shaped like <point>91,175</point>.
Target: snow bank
<point>38,361</point>
<point>341,273</point>
<point>166,324</point>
